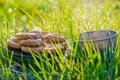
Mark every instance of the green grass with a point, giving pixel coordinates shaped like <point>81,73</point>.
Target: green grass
<point>68,18</point>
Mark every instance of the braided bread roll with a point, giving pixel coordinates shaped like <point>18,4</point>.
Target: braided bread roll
<point>23,36</point>
<point>53,38</point>
<point>36,42</point>
<point>14,43</point>
<point>35,50</point>
<point>31,42</point>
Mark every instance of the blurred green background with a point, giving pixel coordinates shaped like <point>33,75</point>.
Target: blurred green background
<point>66,17</point>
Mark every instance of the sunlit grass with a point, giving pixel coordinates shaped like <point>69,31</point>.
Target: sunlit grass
<point>65,17</point>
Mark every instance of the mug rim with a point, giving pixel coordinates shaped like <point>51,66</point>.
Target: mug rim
<point>101,39</point>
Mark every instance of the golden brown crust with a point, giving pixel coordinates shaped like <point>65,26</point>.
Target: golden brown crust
<point>14,43</point>
<point>53,48</point>
<point>31,42</point>
<point>36,42</point>
<point>14,39</point>
<point>44,33</point>
<point>53,38</point>
<point>39,34</point>
<point>23,36</point>
<point>31,49</point>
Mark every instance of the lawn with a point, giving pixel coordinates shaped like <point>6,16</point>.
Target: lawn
<point>65,17</point>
